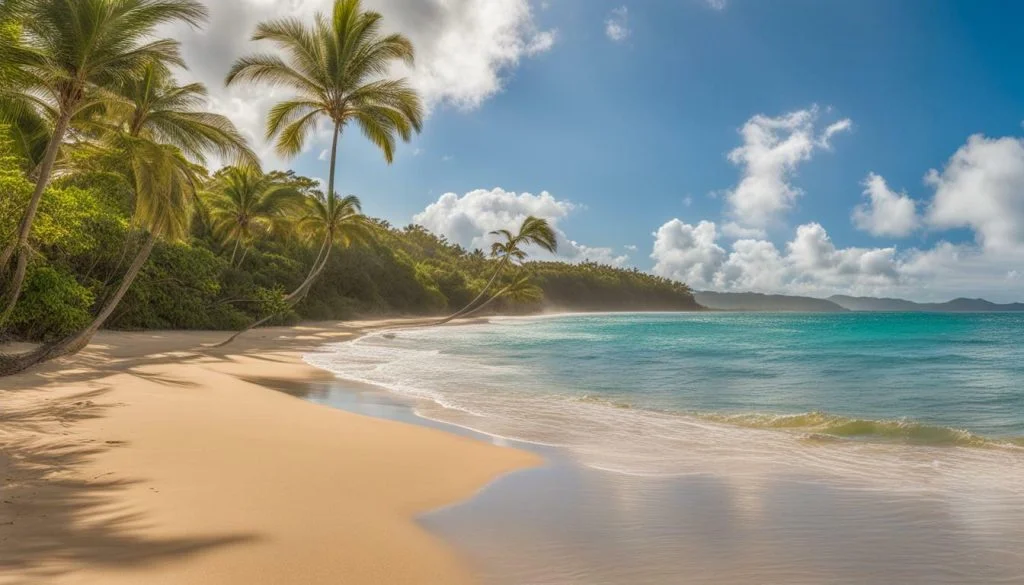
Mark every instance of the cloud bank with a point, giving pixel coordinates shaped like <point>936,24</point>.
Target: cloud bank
<point>980,188</point>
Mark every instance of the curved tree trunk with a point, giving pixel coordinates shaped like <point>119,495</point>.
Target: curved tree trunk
<point>486,303</point>
<point>464,310</point>
<point>321,258</point>
<point>292,299</point>
<point>76,342</point>
<point>19,249</point>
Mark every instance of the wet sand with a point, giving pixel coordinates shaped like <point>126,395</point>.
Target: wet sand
<point>564,523</point>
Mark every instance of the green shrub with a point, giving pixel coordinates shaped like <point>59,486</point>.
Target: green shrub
<point>52,306</point>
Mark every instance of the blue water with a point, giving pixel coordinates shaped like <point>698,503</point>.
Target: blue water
<point>651,382</point>
<point>957,370</point>
<point>730,448</point>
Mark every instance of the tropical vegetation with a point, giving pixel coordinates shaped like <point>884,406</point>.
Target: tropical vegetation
<point>111,214</point>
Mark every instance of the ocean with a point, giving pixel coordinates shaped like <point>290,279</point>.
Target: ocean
<point>893,442</point>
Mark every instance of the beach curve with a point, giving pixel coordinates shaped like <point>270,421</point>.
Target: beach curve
<point>145,460</point>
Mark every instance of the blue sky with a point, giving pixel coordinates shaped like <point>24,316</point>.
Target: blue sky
<point>626,114</point>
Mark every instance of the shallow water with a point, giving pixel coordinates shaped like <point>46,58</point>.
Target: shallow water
<point>754,448</point>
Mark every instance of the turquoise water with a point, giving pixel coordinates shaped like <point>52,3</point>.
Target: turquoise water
<point>730,448</point>
<point>963,371</point>
<point>627,392</point>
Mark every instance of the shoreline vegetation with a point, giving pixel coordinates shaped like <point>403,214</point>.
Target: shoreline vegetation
<point>144,460</point>
<point>115,215</point>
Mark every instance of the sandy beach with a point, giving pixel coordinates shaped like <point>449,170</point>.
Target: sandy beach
<point>148,460</point>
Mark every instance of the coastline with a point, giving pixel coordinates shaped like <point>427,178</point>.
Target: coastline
<point>145,460</point>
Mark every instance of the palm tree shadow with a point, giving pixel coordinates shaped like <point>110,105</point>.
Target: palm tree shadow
<point>53,519</point>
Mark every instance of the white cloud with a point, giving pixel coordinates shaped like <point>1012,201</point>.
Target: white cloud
<point>616,26</point>
<point>688,253</point>
<point>982,188</point>
<point>468,220</point>
<point>717,4</point>
<point>810,263</point>
<point>771,151</point>
<point>833,129</point>
<point>465,50</point>
<point>887,213</point>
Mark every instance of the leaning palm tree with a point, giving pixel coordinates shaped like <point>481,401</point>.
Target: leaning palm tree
<point>331,221</point>
<point>533,231</point>
<point>153,106</point>
<point>162,134</point>
<point>71,51</point>
<point>165,183</point>
<point>520,289</point>
<point>243,204</point>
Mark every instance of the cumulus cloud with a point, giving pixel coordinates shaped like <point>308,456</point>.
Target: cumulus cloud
<point>616,26</point>
<point>810,263</point>
<point>772,150</point>
<point>465,50</point>
<point>468,220</point>
<point>688,253</point>
<point>886,213</point>
<point>982,188</point>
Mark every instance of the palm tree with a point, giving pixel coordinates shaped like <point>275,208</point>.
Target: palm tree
<point>519,289</point>
<point>154,124</point>
<point>535,231</point>
<point>243,204</point>
<point>71,51</point>
<point>332,221</point>
<point>165,185</point>
<point>337,69</point>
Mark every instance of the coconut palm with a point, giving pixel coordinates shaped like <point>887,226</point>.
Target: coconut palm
<point>510,249</point>
<point>71,51</point>
<point>520,289</point>
<point>165,183</point>
<point>243,204</point>
<point>331,221</point>
<point>158,128</point>
<point>155,107</point>
<point>337,69</point>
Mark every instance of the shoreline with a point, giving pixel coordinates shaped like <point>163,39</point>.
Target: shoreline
<point>145,460</point>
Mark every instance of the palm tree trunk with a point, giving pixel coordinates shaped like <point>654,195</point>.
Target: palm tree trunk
<point>234,251</point>
<point>318,267</point>
<point>464,310</point>
<point>292,299</point>
<point>20,248</point>
<point>245,252</point>
<point>76,342</point>
<point>487,302</point>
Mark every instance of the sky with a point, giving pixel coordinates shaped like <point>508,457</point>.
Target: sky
<point>867,147</point>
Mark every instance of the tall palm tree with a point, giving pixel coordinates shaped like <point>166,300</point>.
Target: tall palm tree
<point>332,221</point>
<point>533,231</point>
<point>337,69</point>
<point>71,51</point>
<point>243,203</point>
